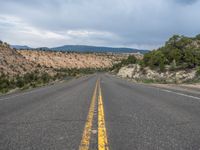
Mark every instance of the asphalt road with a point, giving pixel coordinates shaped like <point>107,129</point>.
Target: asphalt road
<point>100,112</point>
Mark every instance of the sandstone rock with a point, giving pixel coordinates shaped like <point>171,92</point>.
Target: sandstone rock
<point>135,72</point>
<point>71,60</point>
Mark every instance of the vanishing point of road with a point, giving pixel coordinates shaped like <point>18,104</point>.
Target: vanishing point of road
<point>100,112</point>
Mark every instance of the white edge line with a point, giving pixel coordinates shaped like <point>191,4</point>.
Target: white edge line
<point>164,90</point>
<point>182,94</point>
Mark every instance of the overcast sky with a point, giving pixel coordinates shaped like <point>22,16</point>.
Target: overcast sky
<point>144,24</point>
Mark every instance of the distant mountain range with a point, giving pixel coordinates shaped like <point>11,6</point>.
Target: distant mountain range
<point>84,48</point>
<point>20,47</point>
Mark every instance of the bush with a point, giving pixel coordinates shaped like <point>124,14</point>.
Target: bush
<point>45,77</point>
<point>4,84</point>
<point>20,82</point>
<point>32,79</point>
<point>130,60</point>
<point>198,72</point>
<point>155,59</point>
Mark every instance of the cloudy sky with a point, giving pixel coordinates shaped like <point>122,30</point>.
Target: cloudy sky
<point>145,24</point>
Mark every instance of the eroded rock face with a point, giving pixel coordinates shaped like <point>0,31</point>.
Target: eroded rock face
<point>137,73</point>
<point>70,60</point>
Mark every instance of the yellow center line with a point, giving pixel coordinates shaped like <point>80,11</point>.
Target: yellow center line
<point>102,135</point>
<point>85,142</point>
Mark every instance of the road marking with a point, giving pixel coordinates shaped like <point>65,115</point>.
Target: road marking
<point>182,94</point>
<point>85,141</point>
<point>102,135</point>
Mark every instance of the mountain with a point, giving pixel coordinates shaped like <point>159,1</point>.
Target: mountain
<point>86,48</point>
<point>20,47</point>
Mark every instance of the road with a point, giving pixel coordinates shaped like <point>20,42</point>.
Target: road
<point>100,112</point>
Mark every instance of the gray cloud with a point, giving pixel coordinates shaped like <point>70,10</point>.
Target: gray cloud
<point>140,24</point>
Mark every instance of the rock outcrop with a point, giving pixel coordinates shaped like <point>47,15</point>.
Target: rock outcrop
<point>137,73</point>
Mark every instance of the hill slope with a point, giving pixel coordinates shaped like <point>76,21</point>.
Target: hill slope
<point>71,60</point>
<point>13,63</point>
<point>177,61</point>
<point>85,48</point>
<point>20,47</point>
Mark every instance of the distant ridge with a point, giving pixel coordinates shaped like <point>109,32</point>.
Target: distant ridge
<point>20,47</point>
<point>86,48</point>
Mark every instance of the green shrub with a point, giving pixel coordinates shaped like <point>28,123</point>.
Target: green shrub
<point>198,72</point>
<point>130,60</point>
<point>45,77</point>
<point>20,82</point>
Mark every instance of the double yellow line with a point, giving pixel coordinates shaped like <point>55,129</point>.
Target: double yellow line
<point>102,135</point>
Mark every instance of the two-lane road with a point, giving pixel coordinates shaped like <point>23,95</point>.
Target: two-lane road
<point>99,112</point>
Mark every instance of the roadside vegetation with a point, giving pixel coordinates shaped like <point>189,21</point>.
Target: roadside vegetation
<point>25,81</point>
<point>179,52</point>
<point>37,78</point>
<point>75,72</point>
<point>130,60</point>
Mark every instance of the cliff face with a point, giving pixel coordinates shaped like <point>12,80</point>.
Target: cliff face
<point>70,60</point>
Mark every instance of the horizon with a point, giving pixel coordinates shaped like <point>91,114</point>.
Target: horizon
<point>77,45</point>
<point>126,24</point>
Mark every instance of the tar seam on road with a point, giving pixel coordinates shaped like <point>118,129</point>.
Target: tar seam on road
<point>102,135</point>
<point>85,141</point>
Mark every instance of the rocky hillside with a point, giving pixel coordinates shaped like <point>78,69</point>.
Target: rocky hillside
<point>12,63</point>
<point>138,73</point>
<point>177,61</point>
<point>19,62</point>
<point>71,60</point>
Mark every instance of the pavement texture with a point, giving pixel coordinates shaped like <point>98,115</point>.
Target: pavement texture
<point>119,114</point>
